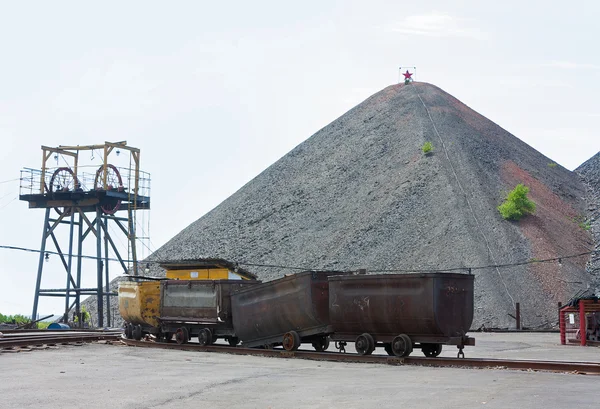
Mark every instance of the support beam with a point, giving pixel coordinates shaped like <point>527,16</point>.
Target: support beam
<point>79,260</point>
<point>69,265</point>
<point>40,267</point>
<point>99,266</point>
<point>114,247</point>
<point>107,277</point>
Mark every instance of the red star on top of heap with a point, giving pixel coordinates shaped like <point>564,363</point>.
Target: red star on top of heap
<point>407,75</point>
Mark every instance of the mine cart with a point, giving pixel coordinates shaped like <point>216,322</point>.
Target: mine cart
<point>200,308</point>
<point>138,305</point>
<point>286,312</point>
<point>401,311</point>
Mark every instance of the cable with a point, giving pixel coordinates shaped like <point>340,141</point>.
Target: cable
<point>405,270</point>
<point>8,203</point>
<point>10,180</point>
<point>487,243</point>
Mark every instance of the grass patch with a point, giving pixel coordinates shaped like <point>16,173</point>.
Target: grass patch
<point>517,204</point>
<point>583,223</point>
<point>427,148</point>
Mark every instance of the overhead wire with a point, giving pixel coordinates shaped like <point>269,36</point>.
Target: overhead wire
<point>10,180</point>
<point>466,197</point>
<point>372,270</point>
<point>6,204</point>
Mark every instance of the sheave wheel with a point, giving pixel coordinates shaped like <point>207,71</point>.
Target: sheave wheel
<point>291,341</point>
<point>321,344</point>
<point>182,335</point>
<point>365,344</point>
<point>431,350</point>
<point>205,336</point>
<point>402,345</point>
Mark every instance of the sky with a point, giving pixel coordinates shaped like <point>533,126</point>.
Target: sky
<point>215,92</point>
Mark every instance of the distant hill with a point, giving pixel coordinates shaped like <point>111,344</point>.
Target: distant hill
<point>590,174</point>
<point>360,193</point>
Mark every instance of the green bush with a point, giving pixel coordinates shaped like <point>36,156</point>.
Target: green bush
<point>583,223</point>
<point>427,147</point>
<point>17,319</point>
<point>517,204</point>
<point>552,165</point>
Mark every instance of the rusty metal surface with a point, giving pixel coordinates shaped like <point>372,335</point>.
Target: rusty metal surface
<point>263,314</point>
<point>199,301</point>
<point>434,305</point>
<point>553,366</point>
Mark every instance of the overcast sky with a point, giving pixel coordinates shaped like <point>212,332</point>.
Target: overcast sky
<point>214,92</point>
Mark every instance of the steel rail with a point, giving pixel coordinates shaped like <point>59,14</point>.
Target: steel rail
<point>552,366</point>
<point>51,335</point>
<point>57,339</point>
<point>27,331</point>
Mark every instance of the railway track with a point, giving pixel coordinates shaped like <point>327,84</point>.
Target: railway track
<point>524,365</point>
<point>26,338</point>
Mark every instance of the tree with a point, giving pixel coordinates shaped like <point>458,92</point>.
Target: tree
<point>517,204</point>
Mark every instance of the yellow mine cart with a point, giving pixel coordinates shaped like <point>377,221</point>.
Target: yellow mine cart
<point>139,302</point>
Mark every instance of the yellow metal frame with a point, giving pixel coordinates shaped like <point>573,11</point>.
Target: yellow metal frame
<point>73,151</point>
<point>202,274</point>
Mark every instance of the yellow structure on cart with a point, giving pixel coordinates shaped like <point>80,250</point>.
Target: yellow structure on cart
<point>139,301</point>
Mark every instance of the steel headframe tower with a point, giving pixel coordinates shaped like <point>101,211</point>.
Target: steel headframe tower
<point>86,202</point>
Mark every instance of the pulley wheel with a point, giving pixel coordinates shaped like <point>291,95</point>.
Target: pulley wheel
<point>291,341</point>
<point>182,335</point>
<point>364,344</point>
<point>431,350</point>
<point>402,345</point>
<point>63,180</point>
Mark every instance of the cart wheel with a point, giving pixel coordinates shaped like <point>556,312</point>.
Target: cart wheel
<point>182,336</point>
<point>402,345</point>
<point>137,332</point>
<point>365,344</point>
<point>321,344</point>
<point>233,341</point>
<point>128,331</point>
<point>388,349</point>
<point>431,350</point>
<point>205,336</point>
<point>291,341</point>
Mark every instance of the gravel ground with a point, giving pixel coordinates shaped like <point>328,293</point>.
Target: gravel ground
<point>361,194</point>
<point>100,376</point>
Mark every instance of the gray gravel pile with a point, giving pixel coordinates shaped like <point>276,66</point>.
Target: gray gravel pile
<point>590,173</point>
<point>360,193</point>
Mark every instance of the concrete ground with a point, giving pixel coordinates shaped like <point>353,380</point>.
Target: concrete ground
<point>104,376</point>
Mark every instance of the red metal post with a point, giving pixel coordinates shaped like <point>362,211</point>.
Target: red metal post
<point>582,323</point>
<point>562,326</point>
